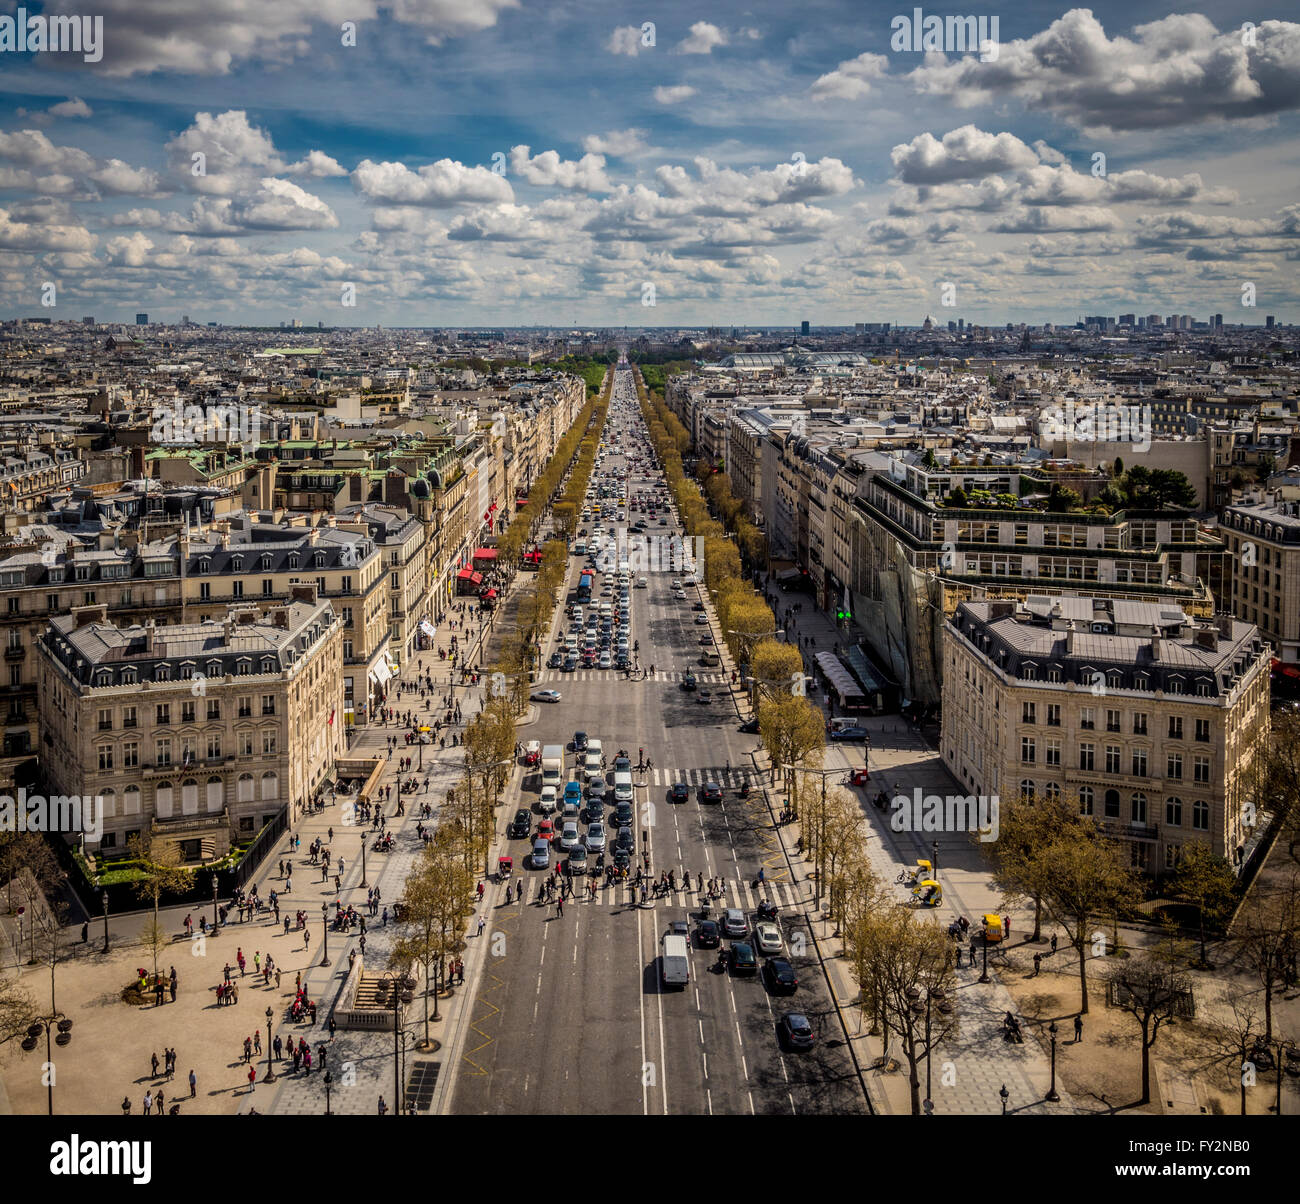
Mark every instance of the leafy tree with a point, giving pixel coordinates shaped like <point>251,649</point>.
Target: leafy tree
<point>160,875</point>
<point>1206,881</point>
<point>1024,829</point>
<point>957,498</point>
<point>1062,500</point>
<point>794,733</point>
<point>773,666</point>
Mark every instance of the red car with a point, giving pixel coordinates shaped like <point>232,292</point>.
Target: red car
<point>546,830</point>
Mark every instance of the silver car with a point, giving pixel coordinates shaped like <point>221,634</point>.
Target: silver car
<point>569,835</point>
<point>767,937</point>
<point>734,923</point>
<point>596,837</point>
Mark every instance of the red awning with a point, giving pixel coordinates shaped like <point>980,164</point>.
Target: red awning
<point>521,501</point>
<point>533,557</point>
<point>485,554</point>
<point>490,593</point>
<point>470,575</point>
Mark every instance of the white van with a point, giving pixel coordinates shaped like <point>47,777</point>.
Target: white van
<point>675,962</point>
<point>622,786</point>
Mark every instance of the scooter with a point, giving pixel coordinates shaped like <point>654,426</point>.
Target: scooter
<point>766,910</point>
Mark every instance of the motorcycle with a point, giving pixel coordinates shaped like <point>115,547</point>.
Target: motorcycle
<point>766,910</point>
<point>744,791</point>
<point>1011,1029</point>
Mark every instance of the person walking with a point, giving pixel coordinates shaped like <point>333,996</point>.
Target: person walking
<point>194,1084</point>
<point>482,923</point>
<point>153,1062</point>
<point>252,1079</point>
<point>559,906</point>
<point>383,1107</point>
<point>1053,942</point>
<point>1038,964</point>
<point>1006,928</point>
<point>1078,1029</point>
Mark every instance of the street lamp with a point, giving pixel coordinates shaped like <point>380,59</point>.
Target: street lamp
<point>823,774</point>
<point>104,899</point>
<point>934,856</point>
<point>55,1020</point>
<point>984,974</point>
<point>1052,1096</point>
<point>214,902</point>
<point>363,839</point>
<point>403,992</point>
<point>270,1074</point>
<point>325,928</point>
<point>1006,1095</point>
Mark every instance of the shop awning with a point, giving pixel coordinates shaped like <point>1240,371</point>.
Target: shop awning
<point>470,575</point>
<point>380,673</point>
<point>489,593</point>
<point>485,554</point>
<point>521,501</point>
<point>838,675</point>
<point>427,628</point>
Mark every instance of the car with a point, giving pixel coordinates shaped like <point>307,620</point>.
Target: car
<point>556,660</point>
<point>780,976</point>
<point>704,698</point>
<point>546,830</point>
<point>577,860</point>
<point>622,859</point>
<point>606,661</point>
<point>849,733</point>
<point>741,958</point>
<point>623,815</point>
<point>570,664</point>
<point>622,764</point>
<point>750,727</point>
<point>546,696</point>
<point>522,824</point>
<point>572,792</point>
<point>595,836</point>
<point>795,1031</point>
<point>641,583</point>
<point>710,792</point>
<point>679,792</point>
<point>688,680</point>
<point>569,835</point>
<point>663,522</point>
<point>707,935</point>
<point>572,811</point>
<point>549,800</point>
<point>734,923</point>
<point>767,936</point>
<point>579,741</point>
<point>697,606</point>
<point>701,620</point>
<point>596,789</point>
<point>595,811</point>
<point>624,840</point>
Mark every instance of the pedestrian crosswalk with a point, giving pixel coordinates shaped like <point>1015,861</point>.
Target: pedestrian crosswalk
<point>728,779</point>
<point>557,675</point>
<point>745,894</point>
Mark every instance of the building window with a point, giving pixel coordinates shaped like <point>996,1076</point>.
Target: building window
<point>1028,791</point>
<point>268,704</point>
<point>1175,727</point>
<point>1203,730</point>
<point>187,712</point>
<point>106,719</point>
<point>128,716</point>
<point>245,744</point>
<point>1052,753</point>
<point>163,751</point>
<point>1112,721</point>
<point>105,757</point>
<point>1174,812</point>
<point>245,707</point>
<point>1085,800</point>
<point>1052,792</point>
<point>1201,769</point>
<point>236,589</point>
<point>1139,763</point>
<point>1139,723</point>
<point>268,587</point>
<point>1174,767</point>
<point>1200,815</point>
<point>214,708</point>
<point>1087,718</point>
<point>1028,713</point>
<point>1138,808</point>
<point>1053,714</point>
<point>1087,755</point>
<point>163,713</point>
<point>268,744</point>
<point>205,591</point>
<point>1027,751</point>
<point>130,755</point>
<point>1112,758</point>
<point>1112,804</point>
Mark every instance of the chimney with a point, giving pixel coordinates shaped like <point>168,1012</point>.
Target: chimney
<point>1069,640</point>
<point>151,644</point>
<point>1157,647</point>
<point>280,617</point>
<point>1224,626</point>
<point>303,593</point>
<point>83,615</point>
<point>1208,638</point>
<point>1001,609</point>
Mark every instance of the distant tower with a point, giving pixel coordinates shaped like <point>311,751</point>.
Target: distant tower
<point>928,324</point>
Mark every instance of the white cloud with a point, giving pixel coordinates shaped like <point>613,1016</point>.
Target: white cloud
<point>116,178</point>
<point>702,38</point>
<point>149,219</point>
<point>318,165</point>
<point>618,143</point>
<point>74,106</point>
<point>29,236</point>
<point>672,95</point>
<point>128,250</point>
<point>438,185</point>
<point>851,80</point>
<point>626,39</point>
<point>963,154</point>
<point>548,170</point>
<point>1179,70</point>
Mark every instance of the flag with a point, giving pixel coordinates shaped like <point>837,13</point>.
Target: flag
<point>331,719</point>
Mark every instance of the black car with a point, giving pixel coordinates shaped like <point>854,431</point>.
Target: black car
<point>596,790</point>
<point>556,660</point>
<point>624,840</point>
<point>522,824</point>
<point>743,959</point>
<point>622,763</point>
<point>623,815</point>
<point>795,1031</point>
<point>688,682</point>
<point>595,811</point>
<point>571,664</point>
<point>707,935</point>
<point>697,605</point>
<point>679,792</point>
<point>780,976</point>
<point>710,792</point>
<point>579,741</point>
<point>622,858</point>
<point>750,727</point>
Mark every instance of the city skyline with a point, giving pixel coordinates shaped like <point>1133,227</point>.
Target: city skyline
<point>756,168</point>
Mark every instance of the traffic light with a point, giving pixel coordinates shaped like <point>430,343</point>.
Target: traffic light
<point>843,616</point>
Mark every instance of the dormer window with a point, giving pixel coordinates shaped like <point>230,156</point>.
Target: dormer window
<point>237,563</point>
<point>268,665</point>
<point>318,560</point>
<point>205,565</point>
<point>162,673</point>
<point>294,560</point>
<point>266,561</point>
<point>104,677</point>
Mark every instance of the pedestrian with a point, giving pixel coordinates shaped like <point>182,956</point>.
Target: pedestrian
<point>1078,1028</point>
<point>1038,963</point>
<point>257,1042</point>
<point>972,953</point>
<point>252,1078</point>
<point>383,1107</point>
<point>158,1104</point>
<point>126,1105</point>
<point>248,1048</point>
<point>482,923</point>
<point>153,1060</point>
<point>559,905</point>
<point>958,957</point>
<point>148,1103</point>
<point>1006,928</point>
<point>1053,942</point>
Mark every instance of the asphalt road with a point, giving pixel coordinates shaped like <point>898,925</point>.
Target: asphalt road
<point>570,1016</point>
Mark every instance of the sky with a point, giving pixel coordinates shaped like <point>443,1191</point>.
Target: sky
<point>543,162</point>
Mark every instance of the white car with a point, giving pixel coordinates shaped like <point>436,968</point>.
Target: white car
<point>546,696</point>
<point>767,937</point>
<point>547,804</point>
<point>641,583</point>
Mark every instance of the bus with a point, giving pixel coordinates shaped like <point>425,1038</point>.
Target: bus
<point>584,587</point>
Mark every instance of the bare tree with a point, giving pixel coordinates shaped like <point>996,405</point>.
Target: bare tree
<point>1266,937</point>
<point>1149,990</point>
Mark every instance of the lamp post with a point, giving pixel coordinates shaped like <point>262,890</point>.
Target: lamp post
<point>402,993</point>
<point>363,839</point>
<point>325,928</point>
<point>54,1020</point>
<point>214,902</point>
<point>270,1073</point>
<point>329,1082</point>
<point>1052,1096</point>
<point>1006,1095</point>
<point>984,974</point>
<point>104,899</point>
<point>934,856</point>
